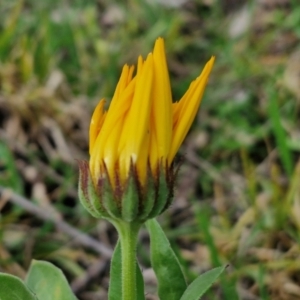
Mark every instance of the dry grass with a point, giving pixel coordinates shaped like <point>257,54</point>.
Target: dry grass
<point>238,196</point>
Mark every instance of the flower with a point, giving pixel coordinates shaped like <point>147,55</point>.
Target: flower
<point>142,123</point>
<point>135,141</point>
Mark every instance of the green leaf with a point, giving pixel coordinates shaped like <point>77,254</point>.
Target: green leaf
<point>13,288</point>
<point>139,284</point>
<point>10,174</point>
<point>115,282</point>
<point>279,132</point>
<point>201,284</point>
<point>48,282</point>
<point>10,28</point>
<point>171,281</point>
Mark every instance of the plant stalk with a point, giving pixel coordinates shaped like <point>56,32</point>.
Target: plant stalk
<point>128,234</point>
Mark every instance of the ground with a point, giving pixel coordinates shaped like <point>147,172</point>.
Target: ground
<point>237,199</point>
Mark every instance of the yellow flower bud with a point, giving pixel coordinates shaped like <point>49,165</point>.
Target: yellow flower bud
<point>134,142</point>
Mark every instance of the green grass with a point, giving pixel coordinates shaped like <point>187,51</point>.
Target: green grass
<point>241,208</point>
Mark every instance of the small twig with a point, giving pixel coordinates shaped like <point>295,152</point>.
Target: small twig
<point>79,236</point>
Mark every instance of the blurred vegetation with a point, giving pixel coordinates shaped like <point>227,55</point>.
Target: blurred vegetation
<point>238,196</point>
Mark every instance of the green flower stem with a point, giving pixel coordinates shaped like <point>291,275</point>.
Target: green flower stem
<point>128,234</point>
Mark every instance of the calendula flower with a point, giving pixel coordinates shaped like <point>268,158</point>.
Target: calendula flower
<point>130,174</point>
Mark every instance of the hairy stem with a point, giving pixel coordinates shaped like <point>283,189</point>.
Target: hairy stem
<point>128,233</point>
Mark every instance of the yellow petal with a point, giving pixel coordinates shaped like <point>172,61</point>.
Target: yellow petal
<point>124,80</point>
<point>130,73</point>
<point>161,114</point>
<point>137,120</point>
<point>119,106</point>
<point>188,107</point>
<point>96,123</point>
<point>142,161</point>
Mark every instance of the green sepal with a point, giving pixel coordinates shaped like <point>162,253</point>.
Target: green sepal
<point>115,281</point>
<point>171,281</point>
<point>130,200</point>
<point>13,288</point>
<point>148,200</point>
<point>86,190</point>
<point>162,195</point>
<point>48,282</point>
<point>96,200</point>
<point>109,200</point>
<point>201,284</point>
<point>86,204</point>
